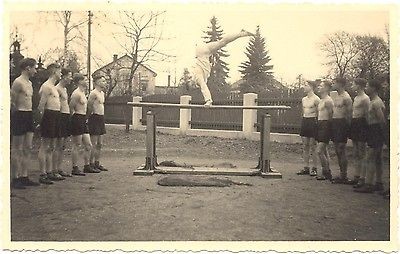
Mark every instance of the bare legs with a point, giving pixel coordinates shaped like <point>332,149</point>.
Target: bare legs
<point>309,150</point>
<point>374,166</point>
<point>216,45</point>
<point>81,144</point>
<point>26,153</point>
<point>359,151</point>
<point>16,158</point>
<point>97,141</point>
<point>340,149</point>
<point>21,150</point>
<point>45,155</point>
<point>16,155</point>
<point>59,155</point>
<point>202,69</point>
<point>323,154</point>
<point>201,78</point>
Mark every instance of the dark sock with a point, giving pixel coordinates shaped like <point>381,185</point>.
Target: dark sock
<point>97,163</point>
<point>75,167</point>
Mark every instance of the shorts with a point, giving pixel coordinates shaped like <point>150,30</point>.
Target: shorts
<point>96,125</point>
<point>340,130</point>
<point>21,122</point>
<point>375,137</point>
<point>324,133</point>
<point>358,129</point>
<point>64,130</point>
<point>308,127</point>
<point>50,124</point>
<point>78,125</point>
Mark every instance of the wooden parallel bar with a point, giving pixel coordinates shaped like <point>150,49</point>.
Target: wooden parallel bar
<point>173,105</point>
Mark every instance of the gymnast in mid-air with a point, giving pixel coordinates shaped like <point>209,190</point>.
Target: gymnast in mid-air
<point>202,67</point>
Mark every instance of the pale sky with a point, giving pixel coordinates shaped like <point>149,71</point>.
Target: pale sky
<point>292,35</point>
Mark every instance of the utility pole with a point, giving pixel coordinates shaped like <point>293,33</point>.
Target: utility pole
<point>90,14</point>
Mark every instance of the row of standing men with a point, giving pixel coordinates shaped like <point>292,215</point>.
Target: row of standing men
<point>59,118</point>
<point>335,117</point>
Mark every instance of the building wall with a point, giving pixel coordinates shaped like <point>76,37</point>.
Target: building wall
<point>120,74</point>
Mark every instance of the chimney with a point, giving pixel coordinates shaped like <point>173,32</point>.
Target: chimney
<point>169,80</point>
<point>115,57</point>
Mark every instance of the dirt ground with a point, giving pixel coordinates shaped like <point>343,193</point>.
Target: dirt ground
<point>116,205</point>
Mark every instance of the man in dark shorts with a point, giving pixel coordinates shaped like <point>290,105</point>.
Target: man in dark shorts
<point>358,132</point>
<point>341,118</point>
<point>49,109</point>
<point>324,132</point>
<point>79,127</point>
<point>96,120</point>
<point>376,137</point>
<point>64,132</point>
<point>22,125</point>
<point>309,128</point>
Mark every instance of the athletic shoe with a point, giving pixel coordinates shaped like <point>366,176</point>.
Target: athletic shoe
<point>208,103</point>
<point>359,184</point>
<point>64,174</point>
<point>17,184</point>
<point>304,171</point>
<point>44,179</point>
<point>27,182</point>
<point>341,180</point>
<point>101,168</point>
<point>326,175</point>
<point>77,172</point>
<point>55,176</point>
<point>313,172</point>
<point>90,170</point>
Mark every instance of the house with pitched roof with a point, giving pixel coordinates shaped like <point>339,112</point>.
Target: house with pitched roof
<point>117,76</point>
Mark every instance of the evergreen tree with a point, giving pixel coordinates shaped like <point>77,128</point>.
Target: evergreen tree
<point>256,73</point>
<point>186,84</point>
<point>219,68</point>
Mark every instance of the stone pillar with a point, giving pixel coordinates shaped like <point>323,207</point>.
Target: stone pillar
<point>249,115</point>
<point>185,115</point>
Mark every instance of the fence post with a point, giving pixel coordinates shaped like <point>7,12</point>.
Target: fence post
<point>249,115</point>
<point>185,115</point>
<point>136,114</point>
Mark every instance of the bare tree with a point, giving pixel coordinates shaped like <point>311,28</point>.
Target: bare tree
<point>65,19</point>
<point>341,49</point>
<point>140,37</point>
<point>142,33</point>
<point>71,23</point>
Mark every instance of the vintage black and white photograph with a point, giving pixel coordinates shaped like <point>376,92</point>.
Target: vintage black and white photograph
<point>200,122</point>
